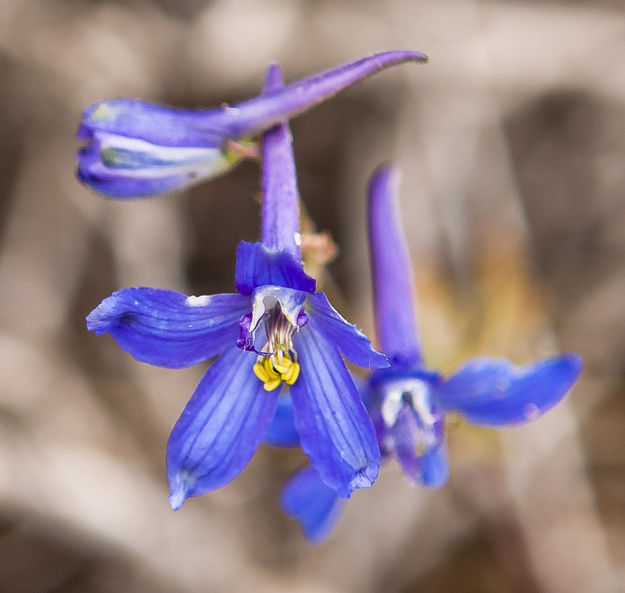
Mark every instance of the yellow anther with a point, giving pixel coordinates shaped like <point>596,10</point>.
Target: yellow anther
<point>290,377</point>
<point>274,369</point>
<point>285,367</point>
<point>271,385</point>
<point>260,372</point>
<point>271,373</point>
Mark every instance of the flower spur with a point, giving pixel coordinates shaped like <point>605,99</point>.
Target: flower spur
<point>135,148</point>
<point>408,401</point>
<point>275,332</point>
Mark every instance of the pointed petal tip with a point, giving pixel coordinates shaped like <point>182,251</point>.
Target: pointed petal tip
<point>181,486</point>
<point>176,500</point>
<point>364,478</point>
<point>573,361</point>
<point>99,320</point>
<point>386,173</point>
<point>273,77</point>
<point>401,55</point>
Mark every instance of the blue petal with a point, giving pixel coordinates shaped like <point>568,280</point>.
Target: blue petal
<point>157,124</point>
<point>219,429</point>
<point>282,432</point>
<point>394,292</point>
<point>334,428</point>
<point>317,507</point>
<point>167,328</point>
<point>280,215</point>
<point>123,167</point>
<point>352,342</point>
<point>495,392</point>
<point>258,265</point>
<point>428,468</point>
<point>435,466</point>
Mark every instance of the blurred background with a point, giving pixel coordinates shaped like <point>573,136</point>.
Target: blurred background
<point>511,142</point>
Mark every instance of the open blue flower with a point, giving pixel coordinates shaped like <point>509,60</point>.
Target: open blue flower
<point>136,148</point>
<point>275,332</point>
<point>408,401</point>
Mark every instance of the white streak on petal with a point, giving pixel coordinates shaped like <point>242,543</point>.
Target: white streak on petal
<point>198,301</point>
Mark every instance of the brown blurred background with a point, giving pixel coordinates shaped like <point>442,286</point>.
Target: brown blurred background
<point>512,145</point>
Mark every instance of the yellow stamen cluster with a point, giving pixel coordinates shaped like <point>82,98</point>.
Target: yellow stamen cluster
<point>274,369</point>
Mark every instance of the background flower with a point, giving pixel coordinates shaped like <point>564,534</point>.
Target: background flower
<point>409,401</point>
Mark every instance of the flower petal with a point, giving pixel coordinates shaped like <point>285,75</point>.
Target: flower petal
<point>258,265</point>
<point>219,429</point>
<point>161,125</point>
<point>316,507</point>
<point>495,392</point>
<point>435,466</point>
<point>334,428</point>
<point>350,340</point>
<point>167,328</point>
<point>429,467</point>
<point>280,214</point>
<point>395,295</point>
<point>282,432</point>
<point>426,468</point>
<point>123,167</point>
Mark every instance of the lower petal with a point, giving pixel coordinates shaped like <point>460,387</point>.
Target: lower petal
<point>421,452</point>
<point>316,507</point>
<point>334,427</point>
<point>435,466</point>
<point>282,432</point>
<point>494,392</point>
<point>220,428</point>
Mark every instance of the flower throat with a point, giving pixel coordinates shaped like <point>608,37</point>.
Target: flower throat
<point>278,361</point>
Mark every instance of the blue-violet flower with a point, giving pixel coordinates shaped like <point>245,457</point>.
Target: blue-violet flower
<point>135,148</point>
<point>408,401</point>
<point>275,332</point>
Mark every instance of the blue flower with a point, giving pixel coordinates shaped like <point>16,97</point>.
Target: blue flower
<point>135,148</point>
<point>408,401</point>
<point>275,332</point>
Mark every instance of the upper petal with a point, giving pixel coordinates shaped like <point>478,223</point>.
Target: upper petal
<point>258,265</point>
<point>253,333</point>
<point>334,428</point>
<point>167,328</point>
<point>495,392</point>
<point>394,292</point>
<point>157,124</point>
<point>351,341</point>
<point>316,507</point>
<point>219,429</point>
